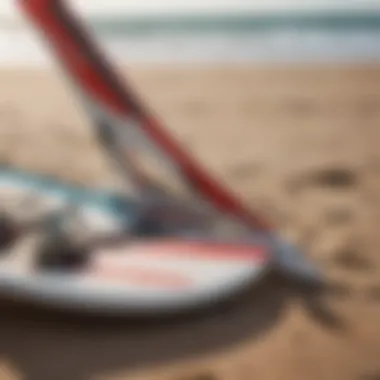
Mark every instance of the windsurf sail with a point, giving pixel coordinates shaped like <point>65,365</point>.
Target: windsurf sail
<point>125,127</point>
<point>123,124</point>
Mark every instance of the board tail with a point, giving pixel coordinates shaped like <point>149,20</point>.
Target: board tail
<point>114,107</point>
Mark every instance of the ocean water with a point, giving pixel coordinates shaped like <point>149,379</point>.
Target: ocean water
<point>279,38</point>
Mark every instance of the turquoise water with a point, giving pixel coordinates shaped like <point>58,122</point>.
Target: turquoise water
<point>124,25</point>
<point>296,37</point>
<point>272,38</point>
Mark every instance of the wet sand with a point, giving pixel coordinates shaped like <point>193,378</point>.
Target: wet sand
<point>300,145</point>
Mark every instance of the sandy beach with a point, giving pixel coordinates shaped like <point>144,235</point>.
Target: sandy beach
<point>300,145</point>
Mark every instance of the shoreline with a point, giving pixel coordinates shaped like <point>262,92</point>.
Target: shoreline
<point>290,46</point>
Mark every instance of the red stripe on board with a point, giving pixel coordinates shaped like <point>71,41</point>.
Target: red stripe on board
<point>142,276</point>
<point>195,250</point>
<point>227,255</point>
<point>94,74</point>
<point>212,251</point>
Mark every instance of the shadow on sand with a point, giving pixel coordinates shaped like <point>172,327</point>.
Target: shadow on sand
<point>46,346</point>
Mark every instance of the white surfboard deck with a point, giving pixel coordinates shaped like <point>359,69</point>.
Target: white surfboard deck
<point>158,275</point>
<point>139,277</point>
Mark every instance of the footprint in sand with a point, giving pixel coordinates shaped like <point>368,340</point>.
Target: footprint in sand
<point>329,178</point>
<point>202,376</point>
<point>353,260</point>
<point>371,376</point>
<point>374,293</point>
<point>339,216</point>
<point>335,178</point>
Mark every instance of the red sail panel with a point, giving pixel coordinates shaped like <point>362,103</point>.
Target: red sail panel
<point>94,74</point>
